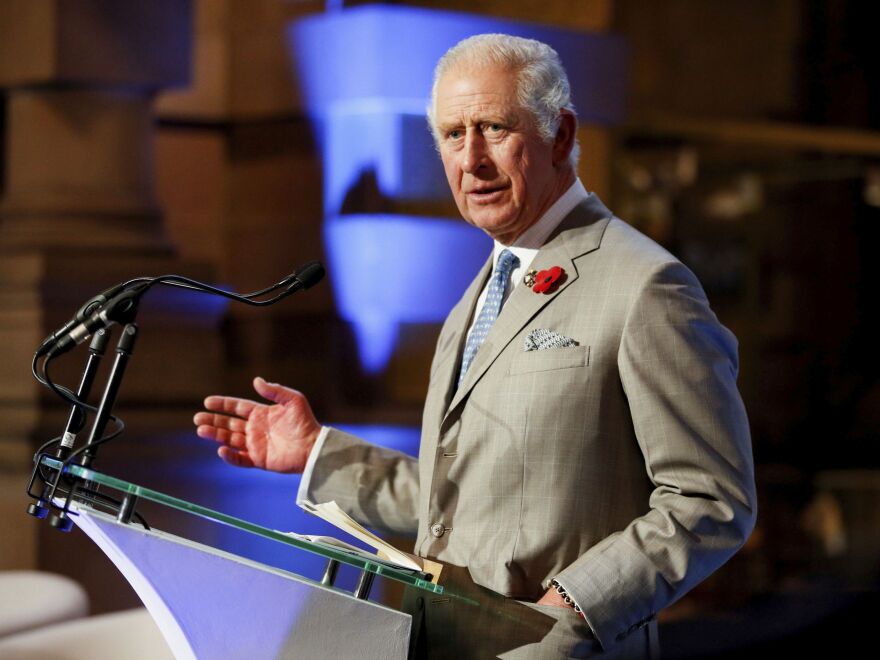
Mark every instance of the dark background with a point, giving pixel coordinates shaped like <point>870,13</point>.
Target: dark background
<point>750,150</point>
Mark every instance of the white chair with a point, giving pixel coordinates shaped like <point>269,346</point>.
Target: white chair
<point>31,599</point>
<point>128,635</point>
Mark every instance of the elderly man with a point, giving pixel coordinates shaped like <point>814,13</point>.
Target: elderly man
<point>585,453</point>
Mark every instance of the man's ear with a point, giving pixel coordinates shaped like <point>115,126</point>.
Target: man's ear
<point>563,143</point>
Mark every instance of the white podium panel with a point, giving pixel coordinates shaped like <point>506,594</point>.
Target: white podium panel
<point>212,604</point>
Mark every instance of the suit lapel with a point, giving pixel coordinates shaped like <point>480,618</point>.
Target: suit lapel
<point>578,234</point>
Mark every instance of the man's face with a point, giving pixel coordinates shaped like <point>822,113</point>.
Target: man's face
<point>500,170</point>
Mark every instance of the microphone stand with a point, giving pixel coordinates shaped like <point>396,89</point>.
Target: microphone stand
<point>75,423</point>
<point>119,304</point>
<point>124,349</point>
<point>77,419</point>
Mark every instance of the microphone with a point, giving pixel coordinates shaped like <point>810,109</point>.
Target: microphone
<point>120,308</point>
<point>306,277</point>
<point>119,303</point>
<point>92,305</point>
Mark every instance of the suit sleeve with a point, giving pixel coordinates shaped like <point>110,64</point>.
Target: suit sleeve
<point>678,368</point>
<point>376,486</point>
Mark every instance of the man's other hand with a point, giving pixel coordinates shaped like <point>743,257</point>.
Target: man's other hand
<point>277,436</point>
<point>552,597</point>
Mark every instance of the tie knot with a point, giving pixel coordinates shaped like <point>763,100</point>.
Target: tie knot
<point>507,261</point>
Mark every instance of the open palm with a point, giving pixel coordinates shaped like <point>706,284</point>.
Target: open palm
<point>276,436</point>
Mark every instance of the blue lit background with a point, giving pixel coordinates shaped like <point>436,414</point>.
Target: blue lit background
<point>365,75</point>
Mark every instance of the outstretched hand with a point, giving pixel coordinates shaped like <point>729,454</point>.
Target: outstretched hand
<point>277,436</point>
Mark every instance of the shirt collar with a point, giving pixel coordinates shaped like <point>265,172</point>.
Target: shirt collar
<point>532,239</point>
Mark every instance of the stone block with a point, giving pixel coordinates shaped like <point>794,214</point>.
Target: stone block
<point>192,171</point>
<point>79,150</point>
<point>95,42</point>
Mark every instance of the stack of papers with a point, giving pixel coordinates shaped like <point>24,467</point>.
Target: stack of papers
<point>332,513</point>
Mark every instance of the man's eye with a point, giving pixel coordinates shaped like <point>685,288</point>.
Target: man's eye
<point>495,128</point>
<point>454,135</point>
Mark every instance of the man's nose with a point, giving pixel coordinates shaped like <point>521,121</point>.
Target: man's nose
<point>475,154</point>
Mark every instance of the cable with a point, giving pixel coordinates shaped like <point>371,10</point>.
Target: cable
<point>71,397</point>
<point>247,299</point>
<point>120,427</point>
<point>42,380</point>
<point>46,445</point>
<point>65,393</point>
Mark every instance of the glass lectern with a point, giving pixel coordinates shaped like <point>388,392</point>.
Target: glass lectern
<point>211,603</point>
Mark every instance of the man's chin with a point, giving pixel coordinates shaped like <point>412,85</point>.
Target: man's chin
<point>502,233</point>
<point>491,223</point>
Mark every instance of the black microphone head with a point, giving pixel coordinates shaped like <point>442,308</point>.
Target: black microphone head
<point>310,274</point>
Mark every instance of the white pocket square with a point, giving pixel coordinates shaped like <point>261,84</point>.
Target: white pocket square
<point>540,339</point>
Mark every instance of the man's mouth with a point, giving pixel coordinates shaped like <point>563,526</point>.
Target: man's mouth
<point>486,194</point>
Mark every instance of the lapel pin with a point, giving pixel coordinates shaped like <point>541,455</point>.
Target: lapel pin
<point>546,281</point>
<point>529,278</point>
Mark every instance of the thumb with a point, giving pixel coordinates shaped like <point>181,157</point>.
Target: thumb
<point>273,391</point>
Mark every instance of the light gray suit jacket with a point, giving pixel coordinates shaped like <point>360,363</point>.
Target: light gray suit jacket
<point>621,466</point>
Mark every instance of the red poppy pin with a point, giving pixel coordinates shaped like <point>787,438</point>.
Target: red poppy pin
<point>545,281</point>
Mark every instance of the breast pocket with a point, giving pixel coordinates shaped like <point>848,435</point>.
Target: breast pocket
<point>550,359</point>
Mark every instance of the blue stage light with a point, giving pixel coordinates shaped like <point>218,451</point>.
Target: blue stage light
<point>391,269</point>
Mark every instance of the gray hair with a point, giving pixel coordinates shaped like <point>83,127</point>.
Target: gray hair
<point>542,85</point>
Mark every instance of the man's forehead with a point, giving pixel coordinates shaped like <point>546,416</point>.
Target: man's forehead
<point>461,112</point>
<point>487,75</point>
<point>483,91</point>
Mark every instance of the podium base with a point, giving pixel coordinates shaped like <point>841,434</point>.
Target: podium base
<point>213,604</point>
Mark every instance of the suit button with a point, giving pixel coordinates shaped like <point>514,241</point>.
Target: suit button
<point>438,530</point>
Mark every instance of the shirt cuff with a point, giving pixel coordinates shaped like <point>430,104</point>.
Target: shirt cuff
<point>305,480</point>
<point>583,614</point>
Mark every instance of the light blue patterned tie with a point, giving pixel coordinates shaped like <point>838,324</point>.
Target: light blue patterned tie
<point>507,261</point>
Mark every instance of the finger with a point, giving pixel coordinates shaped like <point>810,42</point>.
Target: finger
<point>229,438</point>
<point>235,457</point>
<point>274,391</point>
<point>220,421</point>
<point>231,405</point>
<point>207,432</point>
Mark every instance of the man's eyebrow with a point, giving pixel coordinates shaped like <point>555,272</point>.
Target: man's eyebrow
<point>507,119</point>
<point>444,128</point>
